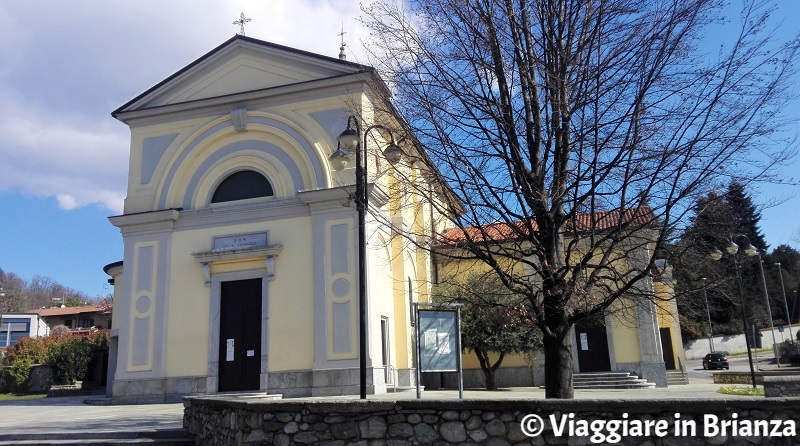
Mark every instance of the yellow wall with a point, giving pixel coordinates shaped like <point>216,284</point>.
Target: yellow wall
<point>290,297</point>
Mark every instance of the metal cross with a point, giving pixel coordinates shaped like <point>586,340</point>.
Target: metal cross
<point>242,20</point>
<point>342,55</point>
<point>341,34</point>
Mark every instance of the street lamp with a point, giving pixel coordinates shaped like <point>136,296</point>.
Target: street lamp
<point>750,250</point>
<point>769,308</point>
<point>708,313</point>
<point>351,141</point>
<point>785,303</point>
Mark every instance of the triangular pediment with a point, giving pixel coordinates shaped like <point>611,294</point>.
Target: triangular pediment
<point>241,65</point>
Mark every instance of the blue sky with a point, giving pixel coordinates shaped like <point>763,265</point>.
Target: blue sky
<point>64,66</point>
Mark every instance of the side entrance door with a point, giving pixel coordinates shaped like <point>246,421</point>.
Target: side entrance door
<point>592,344</point>
<point>240,335</point>
<point>666,348</point>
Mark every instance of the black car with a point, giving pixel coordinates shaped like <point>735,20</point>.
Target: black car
<point>716,360</point>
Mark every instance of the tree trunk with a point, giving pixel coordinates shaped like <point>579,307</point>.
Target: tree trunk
<point>488,373</point>
<point>488,369</point>
<point>558,365</point>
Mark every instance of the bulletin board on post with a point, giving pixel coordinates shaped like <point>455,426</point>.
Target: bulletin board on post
<point>438,335</point>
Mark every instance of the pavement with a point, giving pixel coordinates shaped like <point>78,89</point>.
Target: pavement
<point>65,414</point>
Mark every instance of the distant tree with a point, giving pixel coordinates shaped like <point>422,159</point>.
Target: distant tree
<point>493,320</point>
<point>12,293</point>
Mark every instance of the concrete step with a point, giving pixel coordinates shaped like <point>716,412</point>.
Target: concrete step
<point>161,437</point>
<point>610,380</point>
<point>676,378</point>
<point>398,389</point>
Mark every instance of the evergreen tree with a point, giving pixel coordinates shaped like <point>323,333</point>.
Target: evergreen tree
<point>789,259</point>
<point>718,220</point>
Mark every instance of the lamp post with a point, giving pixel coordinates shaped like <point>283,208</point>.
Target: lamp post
<point>769,308</point>
<point>750,250</point>
<point>708,313</point>
<point>350,139</point>
<point>785,303</point>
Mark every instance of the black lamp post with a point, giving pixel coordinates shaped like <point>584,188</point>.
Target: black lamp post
<point>708,313</point>
<point>750,250</point>
<point>351,141</point>
<point>785,304</point>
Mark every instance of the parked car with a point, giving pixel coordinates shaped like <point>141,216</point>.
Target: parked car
<point>716,360</point>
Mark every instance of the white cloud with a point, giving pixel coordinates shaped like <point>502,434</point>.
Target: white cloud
<point>67,65</point>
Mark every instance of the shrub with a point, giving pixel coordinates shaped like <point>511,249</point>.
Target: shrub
<point>68,356</point>
<point>17,375</point>
<point>33,350</point>
<point>60,330</point>
<point>70,360</point>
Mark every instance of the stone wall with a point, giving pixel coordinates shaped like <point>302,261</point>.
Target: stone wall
<point>782,386</point>
<point>251,421</point>
<point>728,377</point>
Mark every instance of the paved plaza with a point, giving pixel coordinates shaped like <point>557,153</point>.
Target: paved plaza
<point>73,414</point>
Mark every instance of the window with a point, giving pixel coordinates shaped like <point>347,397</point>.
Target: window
<point>241,186</point>
<point>85,323</point>
<point>12,330</point>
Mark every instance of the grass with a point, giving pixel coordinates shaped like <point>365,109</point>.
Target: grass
<point>15,397</point>
<point>747,391</point>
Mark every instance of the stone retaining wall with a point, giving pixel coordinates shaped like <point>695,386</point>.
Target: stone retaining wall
<point>728,377</point>
<point>252,421</point>
<point>781,386</point>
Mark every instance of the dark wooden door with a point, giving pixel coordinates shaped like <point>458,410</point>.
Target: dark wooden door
<point>240,335</point>
<point>592,342</point>
<point>666,348</point>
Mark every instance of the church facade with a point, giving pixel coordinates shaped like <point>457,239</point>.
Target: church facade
<point>240,248</point>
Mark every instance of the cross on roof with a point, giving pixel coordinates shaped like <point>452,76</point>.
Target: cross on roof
<point>342,55</point>
<point>242,20</point>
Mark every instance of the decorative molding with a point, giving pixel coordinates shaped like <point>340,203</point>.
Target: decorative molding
<point>206,270</point>
<point>207,257</point>
<point>237,254</point>
<point>270,268</point>
<point>239,118</point>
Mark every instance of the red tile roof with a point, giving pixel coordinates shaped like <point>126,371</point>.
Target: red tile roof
<point>56,311</point>
<point>597,221</point>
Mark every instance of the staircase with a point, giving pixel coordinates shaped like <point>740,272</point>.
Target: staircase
<point>676,378</point>
<point>161,437</point>
<point>610,380</point>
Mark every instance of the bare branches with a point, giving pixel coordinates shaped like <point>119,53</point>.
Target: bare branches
<point>542,115</point>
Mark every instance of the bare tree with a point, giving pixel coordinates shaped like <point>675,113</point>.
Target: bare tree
<point>582,130</point>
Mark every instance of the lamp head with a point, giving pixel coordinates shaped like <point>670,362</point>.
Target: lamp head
<point>750,250</point>
<point>732,248</point>
<point>348,138</point>
<point>339,159</point>
<point>715,254</point>
<point>393,153</point>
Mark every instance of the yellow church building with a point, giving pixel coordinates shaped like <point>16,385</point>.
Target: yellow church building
<point>241,250</point>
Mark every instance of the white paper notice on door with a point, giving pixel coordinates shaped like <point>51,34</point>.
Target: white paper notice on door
<point>584,341</point>
<point>251,353</point>
<point>229,350</point>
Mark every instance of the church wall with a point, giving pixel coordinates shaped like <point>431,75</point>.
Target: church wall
<point>289,300</point>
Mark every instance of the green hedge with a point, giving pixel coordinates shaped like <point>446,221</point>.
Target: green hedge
<point>68,356</point>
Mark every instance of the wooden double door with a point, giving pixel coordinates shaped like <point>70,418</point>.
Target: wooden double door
<point>592,342</point>
<point>240,335</point>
